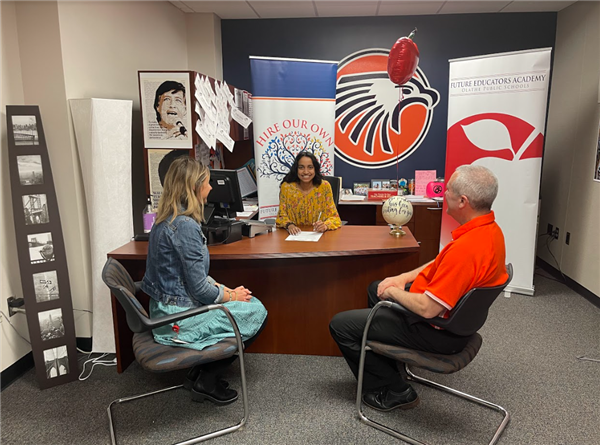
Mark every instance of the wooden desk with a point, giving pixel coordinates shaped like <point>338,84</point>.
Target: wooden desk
<point>302,284</point>
<point>425,224</point>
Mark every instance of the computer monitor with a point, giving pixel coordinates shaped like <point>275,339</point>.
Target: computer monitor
<point>225,198</point>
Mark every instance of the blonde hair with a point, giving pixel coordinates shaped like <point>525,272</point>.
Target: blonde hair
<point>182,181</point>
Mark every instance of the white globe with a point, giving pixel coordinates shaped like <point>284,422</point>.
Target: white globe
<point>397,210</point>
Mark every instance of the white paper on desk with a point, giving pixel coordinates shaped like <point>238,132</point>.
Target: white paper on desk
<point>416,198</point>
<point>352,198</point>
<point>305,236</point>
<point>244,214</point>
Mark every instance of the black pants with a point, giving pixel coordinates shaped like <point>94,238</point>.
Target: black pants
<point>389,327</point>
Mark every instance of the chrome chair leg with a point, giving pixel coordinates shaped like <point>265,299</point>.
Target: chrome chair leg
<point>588,359</point>
<point>416,378</point>
<point>221,432</point>
<point>469,397</point>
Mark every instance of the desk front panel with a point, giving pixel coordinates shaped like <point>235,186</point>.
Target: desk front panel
<point>303,294</point>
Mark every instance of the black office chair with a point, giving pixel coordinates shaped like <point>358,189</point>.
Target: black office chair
<point>336,187</point>
<point>155,357</point>
<point>467,317</point>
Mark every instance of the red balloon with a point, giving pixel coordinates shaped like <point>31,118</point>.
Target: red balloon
<point>403,60</point>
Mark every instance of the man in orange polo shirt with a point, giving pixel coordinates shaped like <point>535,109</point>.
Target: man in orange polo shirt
<point>474,258</point>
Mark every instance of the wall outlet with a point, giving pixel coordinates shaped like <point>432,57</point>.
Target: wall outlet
<point>14,303</point>
<point>555,233</point>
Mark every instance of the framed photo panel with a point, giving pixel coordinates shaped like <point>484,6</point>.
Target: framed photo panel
<point>166,109</point>
<point>40,249</point>
<point>361,188</point>
<point>377,184</point>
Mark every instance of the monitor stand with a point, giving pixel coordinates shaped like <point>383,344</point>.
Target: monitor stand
<point>219,229</point>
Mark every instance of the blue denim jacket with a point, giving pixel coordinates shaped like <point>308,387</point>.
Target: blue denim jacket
<point>177,265</point>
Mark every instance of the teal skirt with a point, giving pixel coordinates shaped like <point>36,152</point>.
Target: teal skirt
<point>204,330</point>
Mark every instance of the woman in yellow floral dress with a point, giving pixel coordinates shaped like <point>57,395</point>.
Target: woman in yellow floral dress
<point>306,199</point>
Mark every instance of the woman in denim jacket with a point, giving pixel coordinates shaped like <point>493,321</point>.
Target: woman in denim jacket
<point>177,279</point>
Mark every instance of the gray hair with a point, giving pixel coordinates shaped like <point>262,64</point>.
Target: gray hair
<point>477,183</point>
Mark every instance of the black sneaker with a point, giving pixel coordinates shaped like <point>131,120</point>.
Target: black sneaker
<point>386,400</point>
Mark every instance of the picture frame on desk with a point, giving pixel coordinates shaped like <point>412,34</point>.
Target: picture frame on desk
<point>377,184</point>
<point>361,188</point>
<point>165,98</point>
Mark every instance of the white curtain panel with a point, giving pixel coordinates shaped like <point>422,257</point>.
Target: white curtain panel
<point>103,133</point>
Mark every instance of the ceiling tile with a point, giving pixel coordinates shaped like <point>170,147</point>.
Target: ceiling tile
<point>525,6</point>
<point>182,6</point>
<point>346,8</point>
<point>409,7</point>
<point>460,7</point>
<point>224,9</point>
<point>284,9</point>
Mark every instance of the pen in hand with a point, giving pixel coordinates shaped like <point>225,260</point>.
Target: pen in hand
<point>317,221</point>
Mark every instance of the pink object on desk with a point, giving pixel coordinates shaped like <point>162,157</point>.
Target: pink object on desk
<point>435,189</point>
<point>422,178</point>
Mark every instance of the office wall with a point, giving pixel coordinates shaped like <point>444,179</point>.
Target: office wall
<point>570,198</point>
<point>204,44</point>
<point>44,85</point>
<point>439,38</point>
<point>104,45</point>
<point>56,51</point>
<point>11,345</point>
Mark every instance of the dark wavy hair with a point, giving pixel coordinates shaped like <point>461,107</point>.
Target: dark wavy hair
<point>292,176</point>
<point>165,87</point>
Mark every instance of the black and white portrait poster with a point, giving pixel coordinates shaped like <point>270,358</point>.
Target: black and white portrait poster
<point>166,109</point>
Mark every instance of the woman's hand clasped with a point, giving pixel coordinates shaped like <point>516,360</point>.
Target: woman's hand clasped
<point>240,293</point>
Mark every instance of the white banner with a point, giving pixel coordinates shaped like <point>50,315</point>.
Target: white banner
<point>293,110</point>
<point>496,118</point>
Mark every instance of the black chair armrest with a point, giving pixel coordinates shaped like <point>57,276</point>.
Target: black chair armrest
<point>153,323</point>
<point>144,323</point>
<point>437,321</point>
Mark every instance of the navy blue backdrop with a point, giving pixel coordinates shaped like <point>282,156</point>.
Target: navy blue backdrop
<point>439,38</point>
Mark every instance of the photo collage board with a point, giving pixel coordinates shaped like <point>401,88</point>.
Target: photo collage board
<point>41,250</point>
<point>189,113</point>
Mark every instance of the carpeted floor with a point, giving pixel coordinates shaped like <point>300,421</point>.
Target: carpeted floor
<point>528,364</point>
